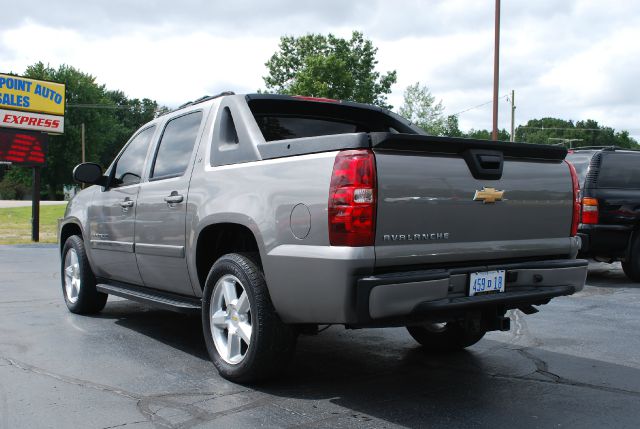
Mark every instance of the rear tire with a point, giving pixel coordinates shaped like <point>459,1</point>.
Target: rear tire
<point>631,266</point>
<point>78,282</point>
<point>446,337</point>
<point>245,338</point>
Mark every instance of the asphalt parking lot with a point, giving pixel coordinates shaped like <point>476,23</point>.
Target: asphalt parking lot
<point>574,364</point>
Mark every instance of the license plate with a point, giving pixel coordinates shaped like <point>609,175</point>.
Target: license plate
<point>486,282</point>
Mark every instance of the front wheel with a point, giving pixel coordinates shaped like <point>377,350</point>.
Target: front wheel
<point>244,336</point>
<point>444,337</point>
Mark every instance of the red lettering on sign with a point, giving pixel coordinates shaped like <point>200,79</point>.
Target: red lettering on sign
<point>31,121</point>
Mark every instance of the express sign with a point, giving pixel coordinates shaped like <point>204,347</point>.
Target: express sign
<point>29,95</point>
<point>31,121</point>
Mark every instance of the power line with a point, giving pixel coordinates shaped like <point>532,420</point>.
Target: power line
<point>98,106</point>
<point>108,107</point>
<point>559,128</point>
<point>479,105</point>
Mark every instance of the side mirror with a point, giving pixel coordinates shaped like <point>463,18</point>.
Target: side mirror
<point>89,172</point>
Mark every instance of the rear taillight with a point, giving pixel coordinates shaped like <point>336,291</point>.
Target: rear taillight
<point>352,199</point>
<point>589,210</point>
<point>575,219</point>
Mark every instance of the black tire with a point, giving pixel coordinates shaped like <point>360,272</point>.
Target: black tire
<point>444,338</point>
<point>88,300</point>
<point>631,266</point>
<point>272,342</point>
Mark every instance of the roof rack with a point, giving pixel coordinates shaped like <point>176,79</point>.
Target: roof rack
<point>203,99</point>
<point>609,148</point>
<point>595,147</point>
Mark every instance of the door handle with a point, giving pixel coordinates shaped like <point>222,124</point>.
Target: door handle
<point>174,198</point>
<point>126,204</point>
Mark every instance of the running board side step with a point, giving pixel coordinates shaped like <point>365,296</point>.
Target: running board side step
<point>165,300</point>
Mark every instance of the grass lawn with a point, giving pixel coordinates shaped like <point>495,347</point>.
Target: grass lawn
<point>15,224</point>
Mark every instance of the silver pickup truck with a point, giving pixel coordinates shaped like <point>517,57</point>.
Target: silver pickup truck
<point>272,215</point>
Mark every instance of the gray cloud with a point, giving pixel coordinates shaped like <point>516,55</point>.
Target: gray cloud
<point>550,50</point>
<point>379,18</point>
<point>240,17</point>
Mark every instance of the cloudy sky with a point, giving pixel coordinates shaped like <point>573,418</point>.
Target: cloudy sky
<point>572,59</point>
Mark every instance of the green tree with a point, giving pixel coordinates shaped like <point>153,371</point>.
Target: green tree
<point>129,114</point>
<point>452,128</point>
<point>420,107</point>
<point>329,66</point>
<point>15,184</point>
<point>584,133</point>
<point>503,135</point>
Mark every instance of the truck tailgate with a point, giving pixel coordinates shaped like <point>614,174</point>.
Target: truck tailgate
<point>445,201</point>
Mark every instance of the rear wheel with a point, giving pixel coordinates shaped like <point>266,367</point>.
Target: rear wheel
<point>78,281</point>
<point>444,337</point>
<point>631,266</point>
<point>245,338</point>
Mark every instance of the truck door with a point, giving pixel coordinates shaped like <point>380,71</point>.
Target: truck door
<point>162,207</point>
<point>112,214</point>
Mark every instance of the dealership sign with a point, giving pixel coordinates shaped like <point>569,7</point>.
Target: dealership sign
<point>34,105</point>
<point>29,95</point>
<point>31,121</point>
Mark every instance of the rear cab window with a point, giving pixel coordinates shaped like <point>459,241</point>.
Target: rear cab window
<point>620,170</point>
<point>292,127</point>
<point>284,117</point>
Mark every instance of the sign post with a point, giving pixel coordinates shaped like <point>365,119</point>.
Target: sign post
<point>35,206</point>
<point>28,109</point>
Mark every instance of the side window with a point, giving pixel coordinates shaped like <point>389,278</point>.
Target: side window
<point>175,147</point>
<point>130,164</point>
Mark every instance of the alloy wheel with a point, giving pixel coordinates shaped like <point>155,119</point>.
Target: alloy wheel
<point>230,319</point>
<point>72,280</point>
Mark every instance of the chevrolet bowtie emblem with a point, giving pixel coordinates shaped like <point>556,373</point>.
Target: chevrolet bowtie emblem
<point>488,195</point>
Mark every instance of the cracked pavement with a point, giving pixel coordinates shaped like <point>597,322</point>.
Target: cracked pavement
<point>574,364</point>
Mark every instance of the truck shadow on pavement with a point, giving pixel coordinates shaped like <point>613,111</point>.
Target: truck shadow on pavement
<point>377,378</point>
<point>494,383</point>
<point>180,331</point>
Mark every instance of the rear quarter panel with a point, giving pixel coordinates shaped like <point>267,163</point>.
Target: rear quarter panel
<point>308,280</point>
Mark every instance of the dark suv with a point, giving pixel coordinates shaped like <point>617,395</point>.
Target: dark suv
<point>610,182</point>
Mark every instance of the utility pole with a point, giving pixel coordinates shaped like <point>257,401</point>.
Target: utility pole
<point>496,71</point>
<point>513,115</point>
<point>82,139</point>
